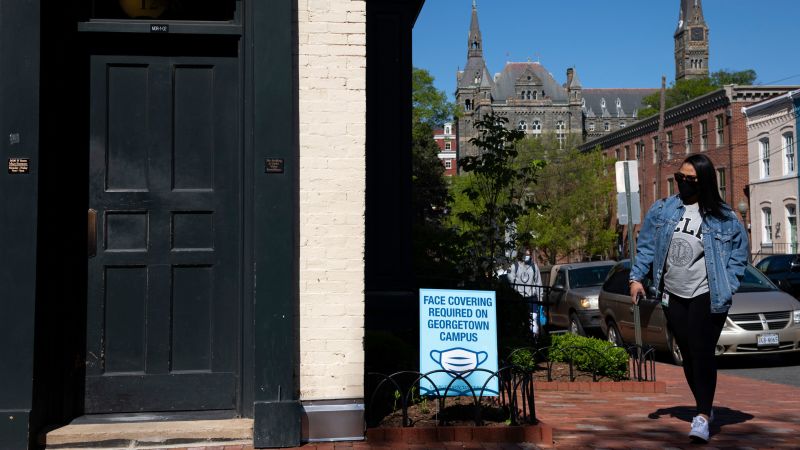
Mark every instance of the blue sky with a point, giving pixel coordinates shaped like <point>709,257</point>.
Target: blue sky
<point>612,43</point>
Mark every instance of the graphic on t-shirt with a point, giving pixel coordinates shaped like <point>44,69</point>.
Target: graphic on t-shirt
<point>680,252</point>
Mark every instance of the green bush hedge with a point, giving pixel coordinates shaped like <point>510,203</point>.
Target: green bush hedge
<point>590,355</point>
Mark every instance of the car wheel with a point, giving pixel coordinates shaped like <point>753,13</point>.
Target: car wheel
<point>613,334</point>
<point>575,326</point>
<point>674,350</point>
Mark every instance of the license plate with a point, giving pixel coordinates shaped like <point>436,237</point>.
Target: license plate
<point>767,339</point>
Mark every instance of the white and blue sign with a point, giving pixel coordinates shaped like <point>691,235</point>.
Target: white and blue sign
<point>458,333</point>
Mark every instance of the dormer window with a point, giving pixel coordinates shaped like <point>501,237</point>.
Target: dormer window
<point>619,103</point>
<point>447,129</point>
<point>602,103</point>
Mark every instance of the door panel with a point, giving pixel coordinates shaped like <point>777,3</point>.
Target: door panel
<point>163,319</point>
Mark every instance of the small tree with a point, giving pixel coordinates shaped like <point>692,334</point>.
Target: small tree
<point>496,190</point>
<point>577,194</point>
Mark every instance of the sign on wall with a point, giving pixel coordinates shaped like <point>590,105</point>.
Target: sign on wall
<point>458,333</point>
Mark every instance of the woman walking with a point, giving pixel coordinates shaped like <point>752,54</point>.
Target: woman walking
<point>696,250</point>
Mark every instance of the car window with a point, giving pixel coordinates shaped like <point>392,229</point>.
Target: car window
<point>764,264</point>
<point>561,278</point>
<point>617,282</point>
<point>755,281</point>
<point>588,276</point>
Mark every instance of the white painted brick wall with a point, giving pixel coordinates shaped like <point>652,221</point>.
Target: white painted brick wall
<point>332,83</point>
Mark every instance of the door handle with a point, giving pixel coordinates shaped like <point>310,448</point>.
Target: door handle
<point>92,235</point>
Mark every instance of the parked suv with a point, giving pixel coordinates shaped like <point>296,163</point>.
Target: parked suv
<point>573,295</point>
<point>783,270</point>
<point>762,318</point>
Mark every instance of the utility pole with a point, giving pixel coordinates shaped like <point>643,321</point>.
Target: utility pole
<point>661,138</point>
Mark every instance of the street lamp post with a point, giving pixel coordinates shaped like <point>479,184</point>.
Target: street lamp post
<point>742,207</point>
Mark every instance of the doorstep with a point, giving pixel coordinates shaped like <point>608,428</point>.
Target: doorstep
<point>143,435</point>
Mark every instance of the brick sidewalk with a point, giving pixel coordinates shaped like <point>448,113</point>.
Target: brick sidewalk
<point>749,414</point>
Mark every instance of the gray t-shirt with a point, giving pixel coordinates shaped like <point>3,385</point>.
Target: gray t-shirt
<point>686,274</point>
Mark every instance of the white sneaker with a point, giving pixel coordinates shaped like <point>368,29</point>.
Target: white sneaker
<point>699,431</point>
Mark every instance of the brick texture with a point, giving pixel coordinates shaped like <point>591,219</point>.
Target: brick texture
<point>332,128</point>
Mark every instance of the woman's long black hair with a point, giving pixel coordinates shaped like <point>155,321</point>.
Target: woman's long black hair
<point>708,190</point>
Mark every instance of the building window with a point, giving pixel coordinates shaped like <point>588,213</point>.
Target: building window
<point>627,151</point>
<point>447,129</point>
<point>763,146</point>
<point>448,164</point>
<point>639,150</point>
<point>669,144</point>
<point>655,191</point>
<point>655,149</point>
<point>536,127</point>
<point>720,131</point>
<point>703,135</point>
<point>468,105</point>
<point>448,146</point>
<point>591,126</point>
<point>788,153</point>
<point>560,128</point>
<point>721,183</point>
<point>622,124</point>
<point>670,186</point>
<point>523,126</point>
<point>607,126</point>
<point>766,219</point>
<point>528,95</point>
<point>602,103</point>
<point>534,94</point>
<point>688,141</point>
<point>791,222</point>
<point>617,154</point>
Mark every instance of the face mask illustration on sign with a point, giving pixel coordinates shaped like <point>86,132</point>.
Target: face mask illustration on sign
<point>458,360</point>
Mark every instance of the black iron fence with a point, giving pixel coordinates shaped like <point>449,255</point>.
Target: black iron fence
<point>398,393</point>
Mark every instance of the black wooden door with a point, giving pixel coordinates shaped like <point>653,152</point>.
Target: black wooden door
<point>163,323</point>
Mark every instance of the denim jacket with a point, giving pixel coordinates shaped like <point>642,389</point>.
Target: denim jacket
<point>724,241</point>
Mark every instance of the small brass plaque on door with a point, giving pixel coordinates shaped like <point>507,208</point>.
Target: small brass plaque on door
<point>273,165</point>
<point>19,165</point>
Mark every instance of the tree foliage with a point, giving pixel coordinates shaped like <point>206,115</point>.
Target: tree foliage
<point>681,91</point>
<point>577,194</point>
<point>430,105</point>
<point>434,255</point>
<point>496,189</point>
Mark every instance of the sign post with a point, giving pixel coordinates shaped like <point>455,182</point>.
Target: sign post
<point>458,337</point>
<point>628,204</point>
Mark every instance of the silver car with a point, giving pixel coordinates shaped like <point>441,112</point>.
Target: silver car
<point>574,289</point>
<point>762,318</point>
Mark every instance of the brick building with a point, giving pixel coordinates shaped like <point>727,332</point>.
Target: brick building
<point>445,138</point>
<point>712,124</point>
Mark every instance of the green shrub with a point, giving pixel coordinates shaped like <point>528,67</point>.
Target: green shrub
<point>523,358</point>
<point>590,355</point>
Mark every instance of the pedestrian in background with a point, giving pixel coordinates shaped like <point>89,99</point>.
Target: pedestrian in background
<point>696,250</point>
<point>524,275</point>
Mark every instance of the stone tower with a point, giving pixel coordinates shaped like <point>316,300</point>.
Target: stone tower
<point>691,42</point>
<point>474,85</point>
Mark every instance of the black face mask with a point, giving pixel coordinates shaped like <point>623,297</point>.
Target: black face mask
<point>687,189</point>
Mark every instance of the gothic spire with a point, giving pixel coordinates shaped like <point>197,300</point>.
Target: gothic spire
<point>691,14</point>
<point>475,43</point>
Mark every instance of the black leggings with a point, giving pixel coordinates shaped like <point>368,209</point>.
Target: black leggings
<point>697,331</point>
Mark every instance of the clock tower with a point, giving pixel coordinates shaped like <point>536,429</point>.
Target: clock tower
<point>691,42</point>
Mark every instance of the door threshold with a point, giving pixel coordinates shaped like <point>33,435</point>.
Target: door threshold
<point>148,433</point>
<point>170,416</point>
